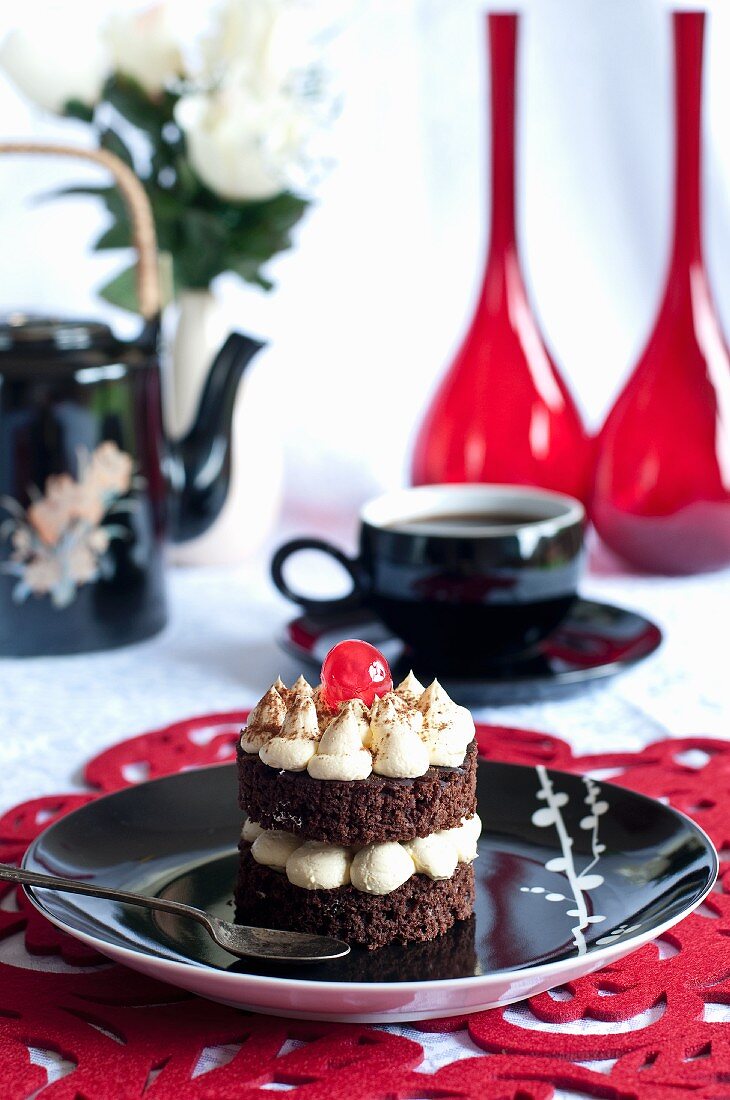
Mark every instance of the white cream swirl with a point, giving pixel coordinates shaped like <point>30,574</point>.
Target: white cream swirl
<point>264,721</point>
<point>397,748</point>
<point>296,744</point>
<point>447,728</point>
<point>377,868</point>
<point>272,848</point>
<point>381,868</point>
<point>410,689</point>
<point>466,838</point>
<point>250,830</point>
<point>301,687</point>
<point>340,753</point>
<point>319,866</point>
<point>435,855</point>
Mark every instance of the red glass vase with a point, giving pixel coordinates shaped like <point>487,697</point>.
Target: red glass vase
<point>503,413</point>
<point>662,485</point>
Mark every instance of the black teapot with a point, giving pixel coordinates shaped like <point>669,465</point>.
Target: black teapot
<point>89,485</point>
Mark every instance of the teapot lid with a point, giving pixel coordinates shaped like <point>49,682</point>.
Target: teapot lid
<point>32,333</point>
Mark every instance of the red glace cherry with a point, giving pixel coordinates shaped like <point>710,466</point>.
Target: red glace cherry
<point>354,670</point>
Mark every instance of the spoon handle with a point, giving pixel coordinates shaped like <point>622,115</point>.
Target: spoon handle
<point>74,886</point>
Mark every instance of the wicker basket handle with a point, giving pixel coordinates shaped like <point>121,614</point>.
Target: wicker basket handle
<point>138,208</point>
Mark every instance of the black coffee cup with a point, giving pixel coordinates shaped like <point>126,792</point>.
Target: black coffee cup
<point>461,573</point>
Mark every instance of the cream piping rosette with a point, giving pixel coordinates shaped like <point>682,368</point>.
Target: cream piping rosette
<point>294,745</point>
<point>341,753</point>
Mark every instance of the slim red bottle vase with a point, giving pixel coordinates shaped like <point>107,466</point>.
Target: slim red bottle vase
<point>662,483</point>
<point>503,413</point>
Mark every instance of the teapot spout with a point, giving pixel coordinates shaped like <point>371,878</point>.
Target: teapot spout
<point>201,460</point>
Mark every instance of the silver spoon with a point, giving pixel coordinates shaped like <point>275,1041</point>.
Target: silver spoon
<point>239,939</point>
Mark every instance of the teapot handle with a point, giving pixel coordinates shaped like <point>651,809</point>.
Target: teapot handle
<point>138,209</point>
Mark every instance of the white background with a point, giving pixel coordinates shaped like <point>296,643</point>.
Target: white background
<point>371,304</point>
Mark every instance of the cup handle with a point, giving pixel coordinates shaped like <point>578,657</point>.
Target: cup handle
<point>310,604</point>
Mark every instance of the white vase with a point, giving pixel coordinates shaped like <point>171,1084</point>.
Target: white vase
<point>257,462</point>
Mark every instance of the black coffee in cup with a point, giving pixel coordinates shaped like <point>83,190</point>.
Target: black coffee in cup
<point>463,573</point>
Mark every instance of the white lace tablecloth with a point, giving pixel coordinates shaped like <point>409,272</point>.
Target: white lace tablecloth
<point>219,653</point>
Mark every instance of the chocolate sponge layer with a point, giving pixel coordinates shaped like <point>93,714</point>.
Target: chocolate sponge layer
<point>360,811</point>
<point>419,910</point>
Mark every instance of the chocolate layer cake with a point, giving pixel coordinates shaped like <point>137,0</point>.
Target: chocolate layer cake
<point>359,811</point>
<point>361,819</point>
<point>420,909</point>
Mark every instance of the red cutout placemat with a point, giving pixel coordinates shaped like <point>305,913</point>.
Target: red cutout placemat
<point>128,1036</point>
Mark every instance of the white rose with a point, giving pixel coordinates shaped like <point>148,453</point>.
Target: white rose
<point>255,123</point>
<point>239,147</point>
<point>51,76</point>
<point>260,42</point>
<point>145,46</point>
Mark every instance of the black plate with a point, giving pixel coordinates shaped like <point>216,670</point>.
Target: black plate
<point>596,641</point>
<point>648,865</point>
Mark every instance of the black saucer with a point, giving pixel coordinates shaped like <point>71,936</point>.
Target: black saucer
<point>597,640</point>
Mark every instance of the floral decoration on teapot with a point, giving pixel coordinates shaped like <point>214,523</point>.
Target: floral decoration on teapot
<point>61,541</point>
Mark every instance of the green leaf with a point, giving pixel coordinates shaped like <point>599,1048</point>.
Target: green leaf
<point>262,282</point>
<point>247,236</point>
<point>201,248</point>
<point>60,192</point>
<point>117,235</point>
<point>287,207</point>
<point>250,271</point>
<point>166,205</point>
<point>74,108</point>
<point>110,140</point>
<point>111,198</point>
<point>122,290</point>
<point>142,110</point>
<point>282,212</point>
<point>187,182</point>
<point>258,245</point>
